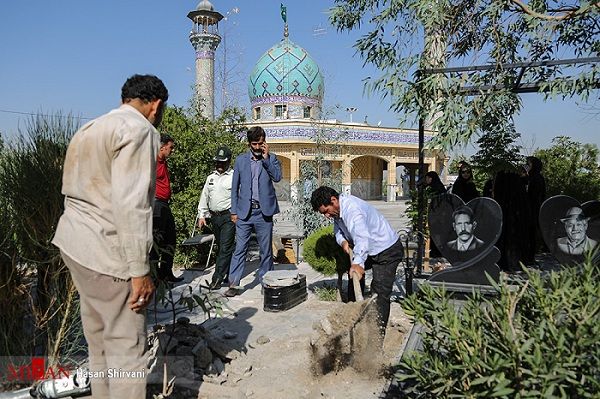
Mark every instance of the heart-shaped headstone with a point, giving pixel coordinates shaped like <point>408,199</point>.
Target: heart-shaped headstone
<point>570,229</point>
<point>464,232</point>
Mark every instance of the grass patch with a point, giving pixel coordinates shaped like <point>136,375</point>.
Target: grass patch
<point>326,293</point>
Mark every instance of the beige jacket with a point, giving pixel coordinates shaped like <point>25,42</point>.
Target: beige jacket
<point>108,182</point>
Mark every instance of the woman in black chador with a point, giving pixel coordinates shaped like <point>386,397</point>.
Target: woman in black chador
<point>514,245</point>
<point>434,184</point>
<point>536,194</point>
<point>464,186</point>
<point>434,187</point>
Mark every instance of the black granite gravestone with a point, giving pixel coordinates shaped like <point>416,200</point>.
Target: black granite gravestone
<point>465,235</point>
<point>570,229</point>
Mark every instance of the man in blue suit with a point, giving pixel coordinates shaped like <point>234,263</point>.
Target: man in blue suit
<point>253,204</point>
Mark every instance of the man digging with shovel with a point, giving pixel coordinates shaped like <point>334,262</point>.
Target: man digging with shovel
<point>361,229</point>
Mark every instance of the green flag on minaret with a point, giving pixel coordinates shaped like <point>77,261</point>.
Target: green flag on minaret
<point>284,13</point>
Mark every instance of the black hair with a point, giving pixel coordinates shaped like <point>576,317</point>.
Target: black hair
<point>165,138</point>
<point>322,196</point>
<point>255,133</point>
<point>145,87</point>
<point>463,210</point>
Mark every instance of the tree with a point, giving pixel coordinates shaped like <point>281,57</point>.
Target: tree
<point>496,152</point>
<point>571,168</point>
<point>464,32</point>
<point>315,173</point>
<point>196,142</point>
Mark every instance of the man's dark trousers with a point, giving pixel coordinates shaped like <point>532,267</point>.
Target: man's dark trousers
<point>384,266</point>
<point>263,226</point>
<point>165,239</point>
<point>224,230</point>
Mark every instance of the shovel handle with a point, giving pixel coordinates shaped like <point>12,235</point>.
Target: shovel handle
<point>355,281</point>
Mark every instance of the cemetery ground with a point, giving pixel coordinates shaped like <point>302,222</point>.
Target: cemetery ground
<point>256,353</point>
<point>247,352</point>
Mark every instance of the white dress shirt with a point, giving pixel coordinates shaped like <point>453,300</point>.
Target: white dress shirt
<point>216,194</point>
<point>363,227</point>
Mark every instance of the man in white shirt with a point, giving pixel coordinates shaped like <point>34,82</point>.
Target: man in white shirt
<point>105,233</point>
<point>359,226</point>
<point>215,203</point>
<point>464,226</point>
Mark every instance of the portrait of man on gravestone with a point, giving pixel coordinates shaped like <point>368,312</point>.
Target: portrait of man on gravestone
<point>464,226</point>
<point>577,241</point>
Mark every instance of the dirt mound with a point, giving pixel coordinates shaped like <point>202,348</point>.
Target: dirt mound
<point>349,337</point>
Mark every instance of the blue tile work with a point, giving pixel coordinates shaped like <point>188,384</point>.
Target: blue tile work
<point>352,134</point>
<point>286,69</point>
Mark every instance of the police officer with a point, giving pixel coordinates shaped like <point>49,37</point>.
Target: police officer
<point>215,203</point>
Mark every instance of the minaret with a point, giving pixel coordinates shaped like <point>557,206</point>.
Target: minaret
<point>205,39</point>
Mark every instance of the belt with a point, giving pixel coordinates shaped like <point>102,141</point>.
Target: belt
<point>164,201</point>
<point>219,213</point>
<point>255,205</point>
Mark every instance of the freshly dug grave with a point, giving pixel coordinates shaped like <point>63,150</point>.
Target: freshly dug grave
<point>348,337</point>
<point>280,363</point>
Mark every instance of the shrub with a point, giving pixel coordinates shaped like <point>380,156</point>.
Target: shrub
<point>537,338</point>
<point>30,188</point>
<point>323,253</point>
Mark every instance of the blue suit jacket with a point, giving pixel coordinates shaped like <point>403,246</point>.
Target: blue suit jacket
<point>241,185</point>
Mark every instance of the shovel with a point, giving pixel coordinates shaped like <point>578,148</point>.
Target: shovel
<point>355,280</point>
<point>345,337</point>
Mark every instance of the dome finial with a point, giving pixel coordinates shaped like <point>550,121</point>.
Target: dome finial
<point>284,17</point>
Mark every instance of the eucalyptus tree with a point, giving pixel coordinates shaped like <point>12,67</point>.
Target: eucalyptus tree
<point>518,42</point>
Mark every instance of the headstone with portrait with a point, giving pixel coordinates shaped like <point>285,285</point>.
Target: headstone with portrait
<point>465,234</point>
<point>571,230</point>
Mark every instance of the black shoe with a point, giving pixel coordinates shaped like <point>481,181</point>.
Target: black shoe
<point>173,279</point>
<point>232,292</point>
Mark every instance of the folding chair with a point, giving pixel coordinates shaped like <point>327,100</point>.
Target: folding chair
<point>199,239</point>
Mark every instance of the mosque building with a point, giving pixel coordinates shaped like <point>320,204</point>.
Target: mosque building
<point>286,90</point>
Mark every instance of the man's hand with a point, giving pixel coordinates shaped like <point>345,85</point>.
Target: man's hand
<point>142,289</point>
<point>234,218</point>
<point>201,222</point>
<point>346,247</point>
<point>265,150</point>
<point>356,268</point>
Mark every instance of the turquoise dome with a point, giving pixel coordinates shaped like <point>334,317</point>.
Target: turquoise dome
<point>286,70</point>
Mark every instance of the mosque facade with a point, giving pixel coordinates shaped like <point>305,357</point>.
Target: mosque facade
<point>286,89</point>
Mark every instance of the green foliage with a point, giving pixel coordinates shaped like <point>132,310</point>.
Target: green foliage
<point>497,152</point>
<point>30,187</point>
<point>326,293</point>
<point>323,253</point>
<point>403,37</point>
<point>315,173</point>
<point>571,168</point>
<point>538,338</point>
<point>196,142</point>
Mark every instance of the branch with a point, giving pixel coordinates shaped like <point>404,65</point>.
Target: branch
<point>567,15</point>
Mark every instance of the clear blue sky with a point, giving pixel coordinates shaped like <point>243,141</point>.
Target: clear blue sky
<point>73,56</point>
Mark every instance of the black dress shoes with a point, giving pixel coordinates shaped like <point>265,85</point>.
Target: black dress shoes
<point>232,292</point>
<point>173,279</point>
